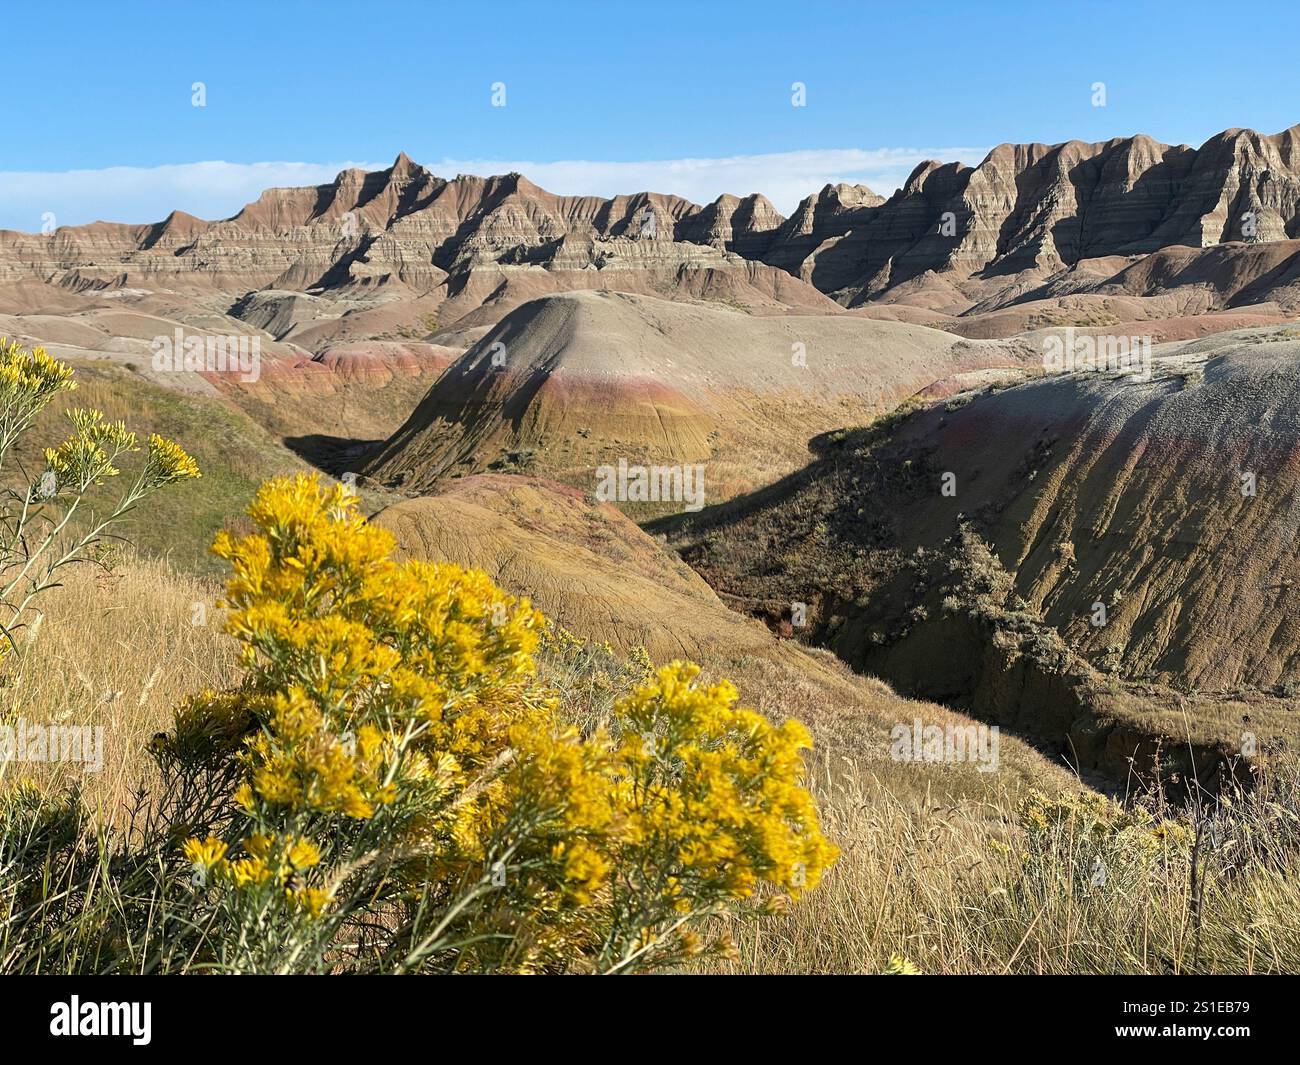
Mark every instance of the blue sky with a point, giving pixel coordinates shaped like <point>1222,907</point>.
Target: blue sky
<point>598,94</point>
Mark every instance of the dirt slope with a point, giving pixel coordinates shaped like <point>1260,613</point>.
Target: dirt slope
<point>552,542</point>
<point>1140,485</point>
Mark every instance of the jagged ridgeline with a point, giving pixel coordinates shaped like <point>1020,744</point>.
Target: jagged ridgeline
<point>1030,223</point>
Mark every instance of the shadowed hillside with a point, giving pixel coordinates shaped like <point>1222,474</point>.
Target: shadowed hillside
<point>1129,585</point>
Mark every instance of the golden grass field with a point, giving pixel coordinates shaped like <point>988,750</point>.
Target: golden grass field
<point>117,648</point>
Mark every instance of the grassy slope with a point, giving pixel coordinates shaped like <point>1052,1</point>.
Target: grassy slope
<point>920,874</point>
<point>935,864</point>
<point>234,453</point>
<point>119,650</point>
<point>964,889</point>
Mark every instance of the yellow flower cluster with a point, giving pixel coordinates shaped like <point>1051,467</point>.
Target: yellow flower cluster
<point>392,708</point>
<point>168,462</point>
<point>277,861</point>
<point>716,789</point>
<point>87,456</point>
<point>28,380</point>
<point>298,763</point>
<point>694,799</point>
<point>90,454</point>
<point>368,663</point>
<point>371,681</point>
<point>210,727</point>
<point>1109,847</point>
<point>1090,815</point>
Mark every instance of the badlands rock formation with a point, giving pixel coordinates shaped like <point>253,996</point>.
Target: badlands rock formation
<point>1142,568</point>
<point>1029,220</point>
<point>1175,502</point>
<point>463,243</point>
<point>355,389</point>
<point>570,382</point>
<point>1035,207</point>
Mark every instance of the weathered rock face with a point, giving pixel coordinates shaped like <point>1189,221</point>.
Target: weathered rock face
<point>579,380</point>
<point>1027,209</point>
<point>820,223</point>
<point>746,226</point>
<point>1040,207</point>
<point>402,223</point>
<point>462,243</point>
<point>1119,552</point>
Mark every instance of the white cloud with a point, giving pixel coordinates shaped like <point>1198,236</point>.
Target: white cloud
<point>785,178</point>
<point>218,189</point>
<point>148,194</point>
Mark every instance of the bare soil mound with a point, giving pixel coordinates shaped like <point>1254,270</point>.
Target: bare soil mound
<point>570,382</point>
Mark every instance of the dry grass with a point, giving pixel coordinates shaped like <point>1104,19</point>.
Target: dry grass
<point>851,717</point>
<point>959,889</point>
<point>117,649</point>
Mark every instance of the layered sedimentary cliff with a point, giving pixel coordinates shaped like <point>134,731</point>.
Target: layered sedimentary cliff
<point>403,224</point>
<point>1028,209</point>
<point>1040,207</point>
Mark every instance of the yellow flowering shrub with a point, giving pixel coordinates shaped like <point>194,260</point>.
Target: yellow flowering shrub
<point>46,523</point>
<point>589,675</point>
<point>406,795</point>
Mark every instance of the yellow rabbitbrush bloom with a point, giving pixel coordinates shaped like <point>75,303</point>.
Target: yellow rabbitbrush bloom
<point>312,899</point>
<point>204,853</point>
<point>89,454</point>
<point>29,379</point>
<point>901,965</point>
<point>168,461</point>
<point>303,854</point>
<point>721,788</point>
<point>49,526</point>
<point>402,767</point>
<point>270,859</point>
